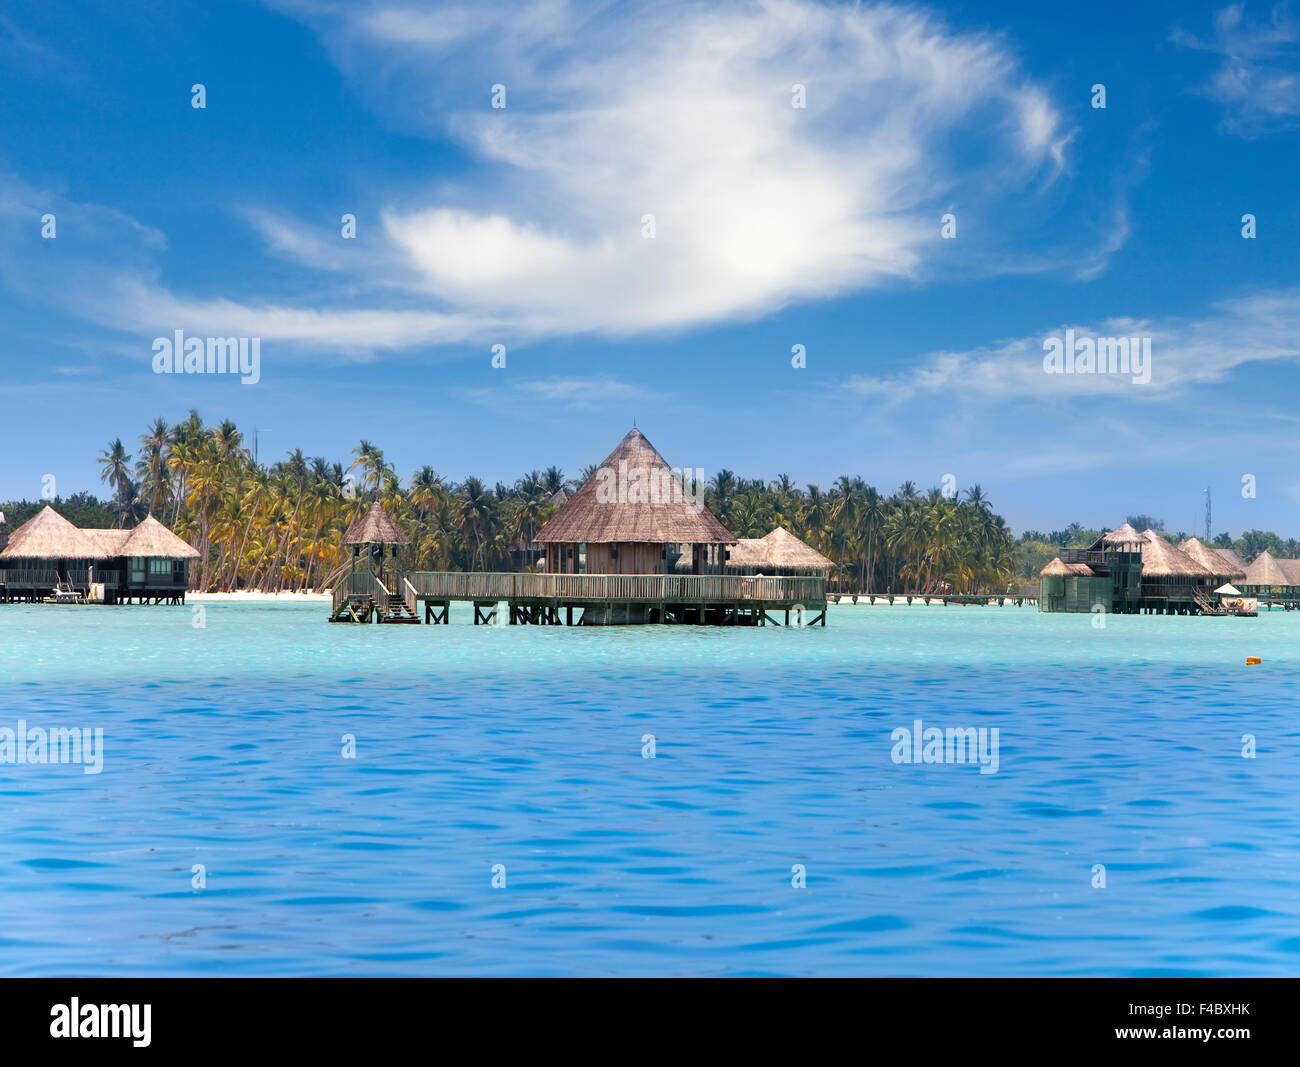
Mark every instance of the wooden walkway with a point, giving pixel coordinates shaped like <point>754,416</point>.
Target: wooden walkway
<point>981,599</point>
<point>599,599</point>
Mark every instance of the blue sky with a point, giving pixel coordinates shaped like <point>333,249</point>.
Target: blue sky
<point>775,226</point>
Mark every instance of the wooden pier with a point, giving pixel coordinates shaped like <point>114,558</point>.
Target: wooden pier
<point>532,599</point>
<point>980,599</point>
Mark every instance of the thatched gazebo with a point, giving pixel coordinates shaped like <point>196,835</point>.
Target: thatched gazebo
<point>376,531</point>
<point>628,514</point>
<point>1118,538</point>
<point>776,553</point>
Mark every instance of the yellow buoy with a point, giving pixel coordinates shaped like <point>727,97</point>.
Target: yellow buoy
<point>1252,661</point>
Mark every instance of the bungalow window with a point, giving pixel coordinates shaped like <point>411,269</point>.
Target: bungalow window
<point>160,568</point>
<point>137,568</point>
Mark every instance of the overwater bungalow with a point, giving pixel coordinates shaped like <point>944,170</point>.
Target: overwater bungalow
<point>48,558</point>
<point>615,552</point>
<point>1106,573</point>
<point>1272,579</point>
<point>1125,571</point>
<point>627,516</point>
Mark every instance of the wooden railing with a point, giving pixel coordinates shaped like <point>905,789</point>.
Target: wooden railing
<point>1173,590</point>
<point>38,577</point>
<point>360,585</point>
<point>1090,556</point>
<point>643,588</point>
<point>81,578</point>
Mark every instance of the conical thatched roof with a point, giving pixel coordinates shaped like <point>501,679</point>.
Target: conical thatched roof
<point>778,550</point>
<point>375,527</point>
<point>1210,559</point>
<point>559,497</point>
<point>1160,559</point>
<point>1264,571</point>
<point>48,535</point>
<point>631,498</point>
<point>1124,535</point>
<point>152,538</point>
<point>1057,569</point>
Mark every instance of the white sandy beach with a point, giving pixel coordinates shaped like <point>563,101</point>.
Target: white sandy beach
<point>252,596</point>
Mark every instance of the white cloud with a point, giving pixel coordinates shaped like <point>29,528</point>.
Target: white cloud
<point>676,110</point>
<point>1258,82</point>
<point>538,395</point>
<point>683,111</point>
<point>1186,352</point>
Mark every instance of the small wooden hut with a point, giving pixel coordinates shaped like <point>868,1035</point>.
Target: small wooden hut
<point>380,537</point>
<point>1074,587</point>
<point>629,515</point>
<point>778,552</point>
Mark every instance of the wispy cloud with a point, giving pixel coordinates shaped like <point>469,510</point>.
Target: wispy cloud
<point>1186,352</point>
<point>614,113</point>
<point>1258,82</point>
<point>597,393</point>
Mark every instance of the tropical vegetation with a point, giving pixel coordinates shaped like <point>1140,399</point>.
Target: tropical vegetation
<point>277,526</point>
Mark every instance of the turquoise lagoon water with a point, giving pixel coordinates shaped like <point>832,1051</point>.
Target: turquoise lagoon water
<point>523,747</point>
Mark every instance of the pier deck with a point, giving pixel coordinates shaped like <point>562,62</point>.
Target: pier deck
<point>599,599</point>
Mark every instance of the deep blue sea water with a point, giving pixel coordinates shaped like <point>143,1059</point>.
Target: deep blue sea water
<point>523,747</point>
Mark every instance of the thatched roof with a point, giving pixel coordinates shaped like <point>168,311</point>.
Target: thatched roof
<point>108,543</point>
<point>152,538</point>
<point>1230,554</point>
<point>1124,535</point>
<point>1057,569</point>
<point>559,497</point>
<point>1264,571</point>
<point>628,500</point>
<point>1160,559</point>
<point>48,535</point>
<point>778,550</point>
<point>375,527</point>
<point>1210,559</point>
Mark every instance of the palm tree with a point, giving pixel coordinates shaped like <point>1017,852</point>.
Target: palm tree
<point>151,467</point>
<point>115,469</point>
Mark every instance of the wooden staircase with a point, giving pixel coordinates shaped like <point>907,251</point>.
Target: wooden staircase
<point>361,597</point>
<point>398,612</point>
<point>1208,606</point>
